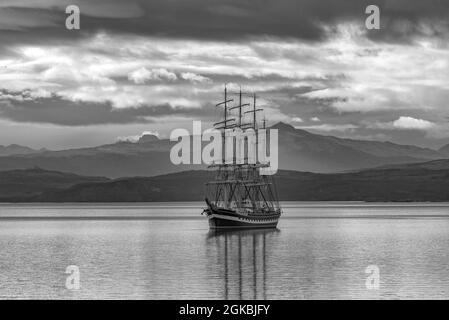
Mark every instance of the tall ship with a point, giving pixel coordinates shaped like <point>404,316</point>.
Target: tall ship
<point>240,196</point>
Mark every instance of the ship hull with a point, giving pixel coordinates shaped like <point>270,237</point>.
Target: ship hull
<point>226,219</point>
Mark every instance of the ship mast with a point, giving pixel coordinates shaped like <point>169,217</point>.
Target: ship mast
<point>224,124</point>
<point>240,106</point>
<point>236,185</point>
<point>225,110</point>
<point>225,105</point>
<point>254,111</point>
<point>254,124</point>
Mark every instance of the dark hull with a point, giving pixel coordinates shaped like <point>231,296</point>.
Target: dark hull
<point>223,219</point>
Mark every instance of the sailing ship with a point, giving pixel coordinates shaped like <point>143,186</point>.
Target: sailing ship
<point>240,196</point>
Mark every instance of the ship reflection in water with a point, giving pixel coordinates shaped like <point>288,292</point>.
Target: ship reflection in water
<point>243,255</point>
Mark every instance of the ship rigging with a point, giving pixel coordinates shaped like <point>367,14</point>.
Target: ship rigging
<point>240,196</point>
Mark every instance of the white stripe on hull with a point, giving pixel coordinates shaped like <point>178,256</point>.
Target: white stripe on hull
<point>240,222</point>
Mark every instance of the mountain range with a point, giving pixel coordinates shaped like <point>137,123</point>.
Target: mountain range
<point>299,150</point>
<point>15,149</point>
<point>428,181</point>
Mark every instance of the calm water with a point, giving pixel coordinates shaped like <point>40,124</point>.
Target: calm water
<point>165,251</point>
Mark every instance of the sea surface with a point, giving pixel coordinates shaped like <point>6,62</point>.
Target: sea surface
<point>165,251</point>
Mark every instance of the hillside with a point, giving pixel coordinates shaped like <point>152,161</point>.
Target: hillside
<point>444,150</point>
<point>414,182</point>
<point>15,149</point>
<point>301,150</point>
<point>34,181</point>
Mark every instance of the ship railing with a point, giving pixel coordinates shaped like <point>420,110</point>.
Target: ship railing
<point>244,182</point>
<point>252,165</point>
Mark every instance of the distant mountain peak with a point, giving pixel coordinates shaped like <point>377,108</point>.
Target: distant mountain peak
<point>14,145</point>
<point>14,149</point>
<point>148,138</point>
<point>283,126</point>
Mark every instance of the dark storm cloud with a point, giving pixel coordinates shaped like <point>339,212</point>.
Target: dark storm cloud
<point>222,19</point>
<point>56,110</point>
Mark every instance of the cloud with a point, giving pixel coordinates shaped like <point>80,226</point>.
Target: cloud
<point>146,60</point>
<point>347,73</point>
<point>409,123</point>
<point>227,20</point>
<point>12,19</point>
<point>196,78</point>
<point>315,119</point>
<point>142,75</point>
<point>404,123</point>
<point>136,138</point>
<point>59,111</point>
<point>325,127</point>
<point>333,81</point>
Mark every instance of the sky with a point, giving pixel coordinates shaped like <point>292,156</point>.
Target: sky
<point>155,65</point>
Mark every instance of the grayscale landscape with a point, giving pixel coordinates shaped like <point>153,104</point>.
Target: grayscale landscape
<point>94,206</point>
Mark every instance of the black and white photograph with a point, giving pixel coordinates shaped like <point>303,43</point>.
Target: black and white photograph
<point>251,151</point>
